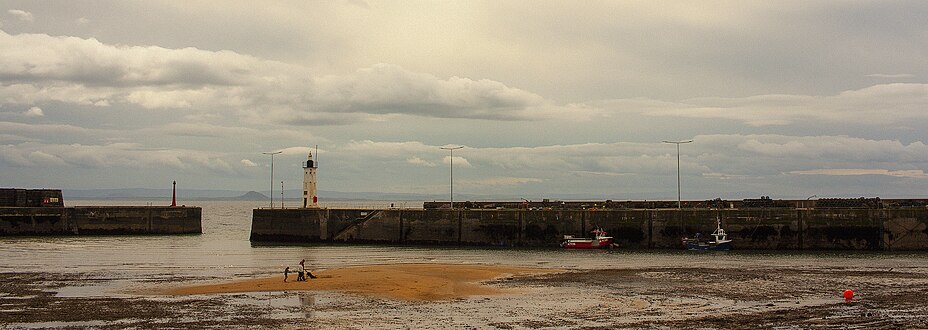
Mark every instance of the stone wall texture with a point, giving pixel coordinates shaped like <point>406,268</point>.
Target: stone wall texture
<point>751,229</point>
<point>100,220</point>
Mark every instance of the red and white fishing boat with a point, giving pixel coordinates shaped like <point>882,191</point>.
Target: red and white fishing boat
<point>599,241</point>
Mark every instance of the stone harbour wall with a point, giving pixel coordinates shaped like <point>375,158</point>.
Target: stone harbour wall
<point>100,220</point>
<point>751,229</point>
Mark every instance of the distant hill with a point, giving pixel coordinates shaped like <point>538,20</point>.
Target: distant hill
<point>160,194</point>
<point>251,196</point>
<point>146,194</point>
<point>194,194</point>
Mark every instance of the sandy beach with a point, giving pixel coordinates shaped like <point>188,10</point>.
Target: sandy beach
<point>411,282</point>
<point>488,296</point>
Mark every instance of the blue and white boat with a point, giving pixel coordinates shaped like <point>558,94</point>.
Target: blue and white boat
<point>720,241</point>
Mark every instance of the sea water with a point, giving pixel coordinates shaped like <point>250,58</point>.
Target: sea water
<point>224,251</point>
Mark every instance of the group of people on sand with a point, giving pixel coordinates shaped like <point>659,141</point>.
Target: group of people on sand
<point>300,275</point>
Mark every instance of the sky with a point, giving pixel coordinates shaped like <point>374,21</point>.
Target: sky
<point>787,99</point>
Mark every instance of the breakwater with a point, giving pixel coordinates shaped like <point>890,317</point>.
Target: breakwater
<point>42,212</point>
<point>750,228</point>
<point>99,220</point>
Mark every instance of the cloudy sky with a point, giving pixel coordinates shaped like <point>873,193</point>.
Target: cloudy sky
<point>782,98</point>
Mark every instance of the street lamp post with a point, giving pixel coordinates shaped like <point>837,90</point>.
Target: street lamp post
<point>272,174</point>
<point>678,143</point>
<point>452,148</point>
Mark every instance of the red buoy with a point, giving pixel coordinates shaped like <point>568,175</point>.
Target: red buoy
<point>848,295</point>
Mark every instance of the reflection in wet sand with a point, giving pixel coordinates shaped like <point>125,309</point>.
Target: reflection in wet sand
<point>307,304</point>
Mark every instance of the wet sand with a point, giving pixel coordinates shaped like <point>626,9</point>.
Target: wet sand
<point>468,296</point>
<point>414,282</point>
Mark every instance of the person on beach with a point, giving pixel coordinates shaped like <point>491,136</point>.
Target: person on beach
<point>286,272</point>
<point>303,272</point>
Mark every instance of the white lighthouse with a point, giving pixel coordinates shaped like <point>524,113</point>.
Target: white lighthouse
<point>309,182</point>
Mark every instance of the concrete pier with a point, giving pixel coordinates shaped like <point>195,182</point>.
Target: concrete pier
<point>753,228</point>
<point>99,220</point>
<point>42,212</point>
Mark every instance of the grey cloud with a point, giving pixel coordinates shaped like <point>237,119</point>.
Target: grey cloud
<point>717,163</point>
<point>226,132</point>
<point>711,163</point>
<point>498,181</point>
<point>713,152</point>
<point>28,94</point>
<point>34,112</point>
<point>308,118</point>
<point>11,138</point>
<point>207,130</point>
<point>420,162</point>
<point>200,130</point>
<point>857,172</point>
<point>728,48</point>
<point>835,148</point>
<point>22,15</point>
<point>388,149</point>
<point>780,96</point>
<point>119,155</point>
<point>40,58</point>
<point>886,75</point>
<point>875,105</point>
<point>458,161</point>
<point>39,130</point>
<point>86,71</point>
<point>387,89</point>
